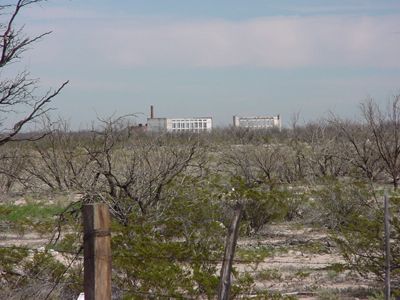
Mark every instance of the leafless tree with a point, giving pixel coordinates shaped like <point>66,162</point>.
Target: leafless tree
<point>237,161</point>
<point>268,161</point>
<point>12,166</point>
<point>385,134</point>
<point>323,155</point>
<point>59,161</point>
<point>19,103</point>
<point>132,174</point>
<point>295,157</point>
<point>356,147</point>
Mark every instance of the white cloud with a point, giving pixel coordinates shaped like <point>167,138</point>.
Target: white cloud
<point>274,42</point>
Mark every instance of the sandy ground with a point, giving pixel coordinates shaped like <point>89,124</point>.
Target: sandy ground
<point>300,271</point>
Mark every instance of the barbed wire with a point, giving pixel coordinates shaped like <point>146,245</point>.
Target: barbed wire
<point>63,273</point>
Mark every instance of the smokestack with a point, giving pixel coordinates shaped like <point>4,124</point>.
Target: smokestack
<point>151,112</point>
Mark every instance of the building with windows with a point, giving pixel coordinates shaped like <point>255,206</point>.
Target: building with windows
<point>199,124</point>
<point>179,124</point>
<point>260,122</point>
<point>189,124</point>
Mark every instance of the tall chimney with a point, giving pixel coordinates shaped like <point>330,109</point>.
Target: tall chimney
<point>151,112</point>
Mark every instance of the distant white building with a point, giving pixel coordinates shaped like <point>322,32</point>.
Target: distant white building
<point>178,124</point>
<point>260,122</point>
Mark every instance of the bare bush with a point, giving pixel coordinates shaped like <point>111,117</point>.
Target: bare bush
<point>12,168</point>
<point>133,175</point>
<point>59,161</point>
<point>358,150</point>
<point>385,129</point>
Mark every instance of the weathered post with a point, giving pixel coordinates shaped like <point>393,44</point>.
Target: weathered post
<point>387,247</point>
<point>230,246</point>
<point>97,252</point>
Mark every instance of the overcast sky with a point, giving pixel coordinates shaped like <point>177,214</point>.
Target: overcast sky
<point>215,57</point>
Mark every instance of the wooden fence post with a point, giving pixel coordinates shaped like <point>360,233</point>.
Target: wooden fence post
<point>387,247</point>
<point>97,252</point>
<point>230,246</point>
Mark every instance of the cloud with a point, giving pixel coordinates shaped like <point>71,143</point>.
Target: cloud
<point>271,42</point>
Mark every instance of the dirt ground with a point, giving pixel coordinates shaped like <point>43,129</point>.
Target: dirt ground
<point>304,263</point>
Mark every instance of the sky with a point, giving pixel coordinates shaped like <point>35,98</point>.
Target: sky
<point>215,58</point>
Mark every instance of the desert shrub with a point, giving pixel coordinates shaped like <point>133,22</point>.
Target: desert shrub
<point>262,208</point>
<point>174,250</point>
<point>261,205</point>
<point>334,203</point>
<point>359,235</point>
<point>35,274</point>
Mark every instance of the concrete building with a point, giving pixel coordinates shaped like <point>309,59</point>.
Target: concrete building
<point>260,122</point>
<point>199,124</point>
